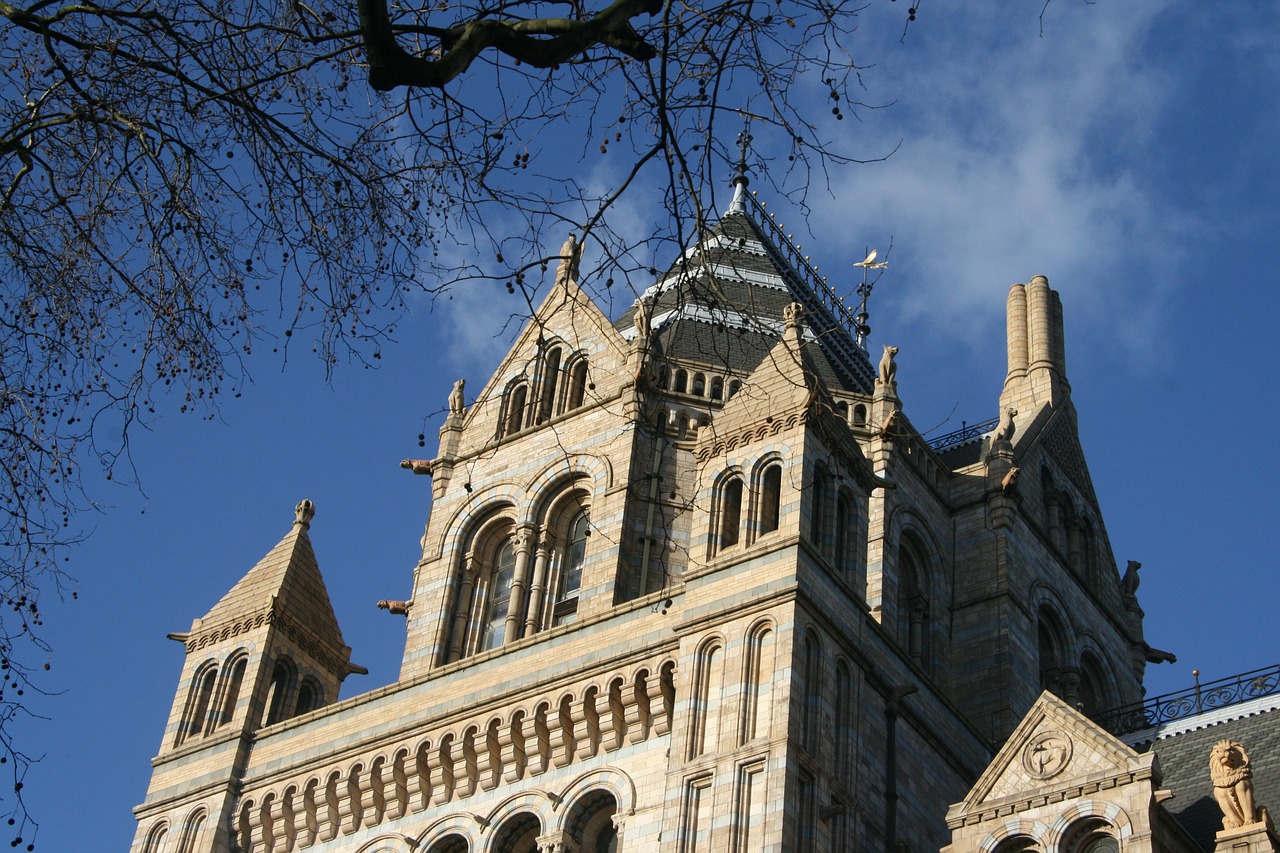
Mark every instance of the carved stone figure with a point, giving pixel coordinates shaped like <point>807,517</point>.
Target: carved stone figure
<point>1233,785</point>
<point>419,466</point>
<point>888,367</point>
<point>457,402</point>
<point>570,254</point>
<point>304,512</point>
<point>398,608</point>
<point>1009,484</point>
<point>1129,583</point>
<point>1004,430</point>
<point>642,318</point>
<point>890,425</point>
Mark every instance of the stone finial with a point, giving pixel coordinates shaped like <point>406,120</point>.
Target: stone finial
<point>457,400</point>
<point>888,367</point>
<point>1232,779</point>
<point>304,512</point>
<point>792,315</point>
<point>419,466</point>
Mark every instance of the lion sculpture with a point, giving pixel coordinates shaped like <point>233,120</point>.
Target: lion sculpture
<point>1233,785</point>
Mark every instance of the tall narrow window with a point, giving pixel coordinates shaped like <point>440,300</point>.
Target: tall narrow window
<point>818,528</point>
<point>770,498</point>
<point>310,696</point>
<point>681,381</point>
<point>577,385</point>
<point>193,718</point>
<point>812,693</point>
<point>499,600</point>
<point>575,554</point>
<point>913,606</point>
<point>550,384</point>
<point>233,678</point>
<point>717,388</point>
<point>517,400</point>
<point>704,730</point>
<point>846,530</point>
<point>283,677</point>
<point>758,707</point>
<point>699,384</point>
<point>845,724</point>
<point>730,517</point>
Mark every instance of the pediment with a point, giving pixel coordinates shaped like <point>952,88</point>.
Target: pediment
<point>1055,747</point>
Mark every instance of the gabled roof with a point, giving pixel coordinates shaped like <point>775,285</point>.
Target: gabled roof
<point>722,302</point>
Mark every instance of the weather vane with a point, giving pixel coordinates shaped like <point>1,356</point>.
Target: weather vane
<point>861,329</point>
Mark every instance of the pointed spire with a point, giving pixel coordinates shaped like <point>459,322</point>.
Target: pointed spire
<point>740,179</point>
<point>285,581</point>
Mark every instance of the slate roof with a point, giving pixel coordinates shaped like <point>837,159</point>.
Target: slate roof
<point>722,303</point>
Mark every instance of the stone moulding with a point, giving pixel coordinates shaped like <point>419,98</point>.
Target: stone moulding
<point>456,762</point>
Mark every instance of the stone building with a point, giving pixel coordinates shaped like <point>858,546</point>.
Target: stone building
<point>691,581</point>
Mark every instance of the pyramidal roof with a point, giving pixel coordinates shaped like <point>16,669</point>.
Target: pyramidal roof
<point>722,301</point>
<point>286,581</point>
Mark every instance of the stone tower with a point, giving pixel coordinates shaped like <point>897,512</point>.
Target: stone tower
<point>269,650</point>
<point>692,580</point>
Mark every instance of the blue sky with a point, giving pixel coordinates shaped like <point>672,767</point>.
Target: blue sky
<point>1129,153</point>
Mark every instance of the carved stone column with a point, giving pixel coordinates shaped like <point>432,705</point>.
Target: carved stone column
<point>462,612</point>
<point>538,587</point>
<point>523,544</point>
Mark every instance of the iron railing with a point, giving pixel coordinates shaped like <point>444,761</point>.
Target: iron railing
<point>1192,701</point>
<point>966,433</point>
<point>827,311</point>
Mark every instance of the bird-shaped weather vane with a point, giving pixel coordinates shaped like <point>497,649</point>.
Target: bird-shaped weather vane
<point>861,329</point>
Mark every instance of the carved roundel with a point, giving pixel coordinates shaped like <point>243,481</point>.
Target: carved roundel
<point>1047,754</point>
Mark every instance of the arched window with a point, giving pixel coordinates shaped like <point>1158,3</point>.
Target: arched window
<point>515,403</point>
<point>914,604</point>
<point>734,387</point>
<point>577,393</point>
<point>819,523</point>
<point>198,701</point>
<point>310,695</point>
<point>590,823</point>
<point>699,384</point>
<point>452,843</point>
<point>1092,835</point>
<point>704,728</point>
<point>284,678</point>
<point>812,731</point>
<point>518,835</point>
<point>729,515</point>
<point>770,498</point>
<point>498,598</point>
<point>229,689</point>
<point>1094,693</point>
<point>155,838</point>
<point>846,544</point>
<point>1051,640</point>
<point>191,832</point>
<point>570,581</point>
<point>664,377</point>
<point>550,384</point>
<point>717,388</point>
<point>846,723</point>
<point>859,415</point>
<point>681,382</point>
<point>758,704</point>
